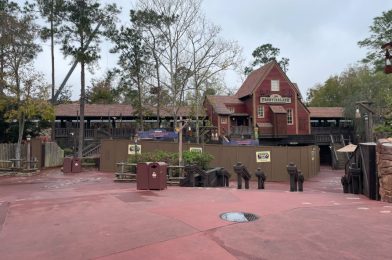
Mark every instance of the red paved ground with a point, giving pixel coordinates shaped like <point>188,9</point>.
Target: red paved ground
<point>87,216</point>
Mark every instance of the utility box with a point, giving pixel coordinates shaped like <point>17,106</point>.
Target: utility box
<point>76,165</point>
<point>142,172</point>
<point>157,176</point>
<point>67,165</point>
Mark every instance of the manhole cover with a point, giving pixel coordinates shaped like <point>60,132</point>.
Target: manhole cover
<point>238,216</point>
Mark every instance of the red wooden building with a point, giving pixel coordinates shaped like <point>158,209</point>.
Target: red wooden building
<point>267,105</point>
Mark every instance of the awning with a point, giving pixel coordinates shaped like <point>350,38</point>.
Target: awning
<point>278,110</point>
<point>264,125</point>
<point>347,149</point>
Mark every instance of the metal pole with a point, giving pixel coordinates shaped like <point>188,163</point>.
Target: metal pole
<point>180,144</point>
<point>28,137</point>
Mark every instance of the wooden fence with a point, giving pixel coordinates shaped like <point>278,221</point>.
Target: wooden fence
<point>48,154</point>
<point>54,155</point>
<point>7,151</point>
<point>305,157</point>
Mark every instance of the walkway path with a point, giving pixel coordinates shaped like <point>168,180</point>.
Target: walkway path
<point>87,216</point>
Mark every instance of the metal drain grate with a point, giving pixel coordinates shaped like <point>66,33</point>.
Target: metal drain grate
<point>238,216</point>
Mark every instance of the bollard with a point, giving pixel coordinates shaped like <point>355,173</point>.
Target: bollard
<point>260,178</point>
<point>356,185</point>
<point>239,177</point>
<point>344,182</point>
<point>242,172</point>
<point>292,171</point>
<point>301,180</point>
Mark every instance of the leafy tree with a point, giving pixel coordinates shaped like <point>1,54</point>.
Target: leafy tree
<point>24,86</point>
<point>353,85</point>
<point>81,41</point>
<point>329,94</point>
<point>134,65</point>
<point>8,13</point>
<point>264,54</point>
<point>148,21</point>
<point>381,33</point>
<point>101,91</point>
<point>28,100</point>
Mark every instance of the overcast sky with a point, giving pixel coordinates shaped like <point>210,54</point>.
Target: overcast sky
<point>318,36</point>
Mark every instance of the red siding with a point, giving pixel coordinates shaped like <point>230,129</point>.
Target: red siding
<point>286,89</point>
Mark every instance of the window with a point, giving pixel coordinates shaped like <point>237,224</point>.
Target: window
<point>260,111</point>
<point>275,85</point>
<point>223,120</point>
<point>231,109</point>
<point>289,116</point>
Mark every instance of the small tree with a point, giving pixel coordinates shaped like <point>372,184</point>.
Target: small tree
<point>264,54</point>
<point>28,101</point>
<point>101,91</point>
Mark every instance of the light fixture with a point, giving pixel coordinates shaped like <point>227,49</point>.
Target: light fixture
<point>357,113</point>
<point>366,116</point>
<point>388,57</point>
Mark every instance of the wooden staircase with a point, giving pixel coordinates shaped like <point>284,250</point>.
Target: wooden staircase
<point>92,150</point>
<point>338,159</point>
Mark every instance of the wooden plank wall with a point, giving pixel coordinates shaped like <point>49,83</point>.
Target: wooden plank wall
<point>306,157</point>
<point>7,151</point>
<point>54,155</point>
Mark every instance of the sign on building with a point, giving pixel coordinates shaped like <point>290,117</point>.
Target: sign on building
<point>275,99</point>
<point>134,148</point>
<point>263,156</point>
<point>196,149</point>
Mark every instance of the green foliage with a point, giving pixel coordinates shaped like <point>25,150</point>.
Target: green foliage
<point>264,54</point>
<point>79,24</point>
<point>353,85</point>
<point>381,33</point>
<point>68,151</point>
<point>157,156</point>
<point>201,159</point>
<point>101,91</point>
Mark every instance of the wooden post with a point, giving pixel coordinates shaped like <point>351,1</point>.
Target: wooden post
<point>180,140</point>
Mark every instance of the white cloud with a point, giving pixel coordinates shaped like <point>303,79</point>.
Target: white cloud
<point>320,37</point>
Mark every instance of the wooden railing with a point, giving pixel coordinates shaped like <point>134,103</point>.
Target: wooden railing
<point>96,133</point>
<point>241,130</point>
<point>331,130</point>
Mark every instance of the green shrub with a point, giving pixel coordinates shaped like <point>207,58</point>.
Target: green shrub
<point>201,159</point>
<point>158,156</point>
<point>68,151</point>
